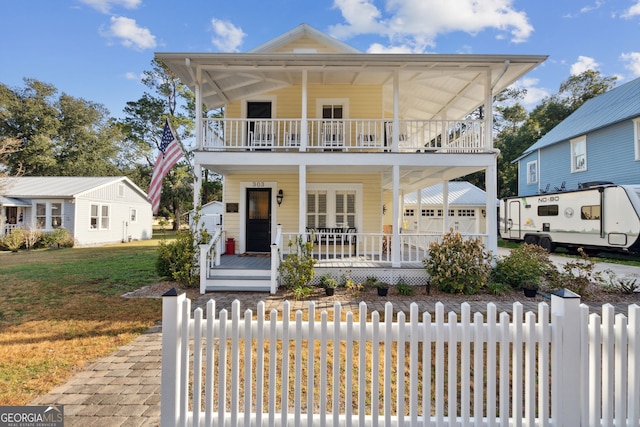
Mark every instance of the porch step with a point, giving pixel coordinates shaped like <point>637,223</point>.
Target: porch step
<point>239,280</point>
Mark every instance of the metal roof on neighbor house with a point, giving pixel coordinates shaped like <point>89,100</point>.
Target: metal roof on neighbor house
<point>57,186</point>
<point>11,201</point>
<point>461,193</point>
<point>620,103</point>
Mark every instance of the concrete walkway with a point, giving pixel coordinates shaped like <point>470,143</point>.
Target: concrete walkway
<point>123,389</point>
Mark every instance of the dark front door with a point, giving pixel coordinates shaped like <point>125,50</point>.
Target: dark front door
<point>258,220</point>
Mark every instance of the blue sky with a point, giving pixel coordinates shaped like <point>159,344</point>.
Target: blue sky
<point>98,49</point>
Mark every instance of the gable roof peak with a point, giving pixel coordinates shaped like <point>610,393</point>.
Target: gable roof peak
<point>304,30</point>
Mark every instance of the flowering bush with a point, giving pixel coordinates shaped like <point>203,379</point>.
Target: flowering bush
<point>457,265</point>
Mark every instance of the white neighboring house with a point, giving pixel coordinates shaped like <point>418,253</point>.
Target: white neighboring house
<point>95,210</point>
<point>466,205</point>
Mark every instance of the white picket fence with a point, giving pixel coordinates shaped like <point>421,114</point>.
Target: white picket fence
<point>561,366</point>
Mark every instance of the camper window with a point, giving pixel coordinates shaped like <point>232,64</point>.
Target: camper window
<point>590,212</point>
<point>548,210</point>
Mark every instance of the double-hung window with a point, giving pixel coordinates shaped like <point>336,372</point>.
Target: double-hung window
<point>99,219</point>
<point>532,172</point>
<point>579,154</point>
<point>636,137</point>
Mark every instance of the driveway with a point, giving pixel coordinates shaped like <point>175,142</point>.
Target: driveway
<point>620,270</point>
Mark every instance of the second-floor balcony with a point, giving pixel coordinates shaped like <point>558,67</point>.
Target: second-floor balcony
<point>359,135</point>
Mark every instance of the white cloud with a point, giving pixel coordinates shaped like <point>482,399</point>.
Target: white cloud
<point>130,34</point>
<point>632,60</point>
<point>227,37</point>
<point>130,75</point>
<point>378,48</point>
<point>632,11</point>
<point>104,6</point>
<point>534,93</point>
<point>417,23</point>
<point>584,63</point>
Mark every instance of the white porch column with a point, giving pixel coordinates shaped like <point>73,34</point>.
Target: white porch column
<point>304,125</point>
<point>302,199</point>
<point>197,185</point>
<point>197,170</point>
<point>396,261</point>
<point>395,133</point>
<point>419,210</point>
<point>488,111</point>
<point>491,178</point>
<point>491,185</point>
<point>446,223</point>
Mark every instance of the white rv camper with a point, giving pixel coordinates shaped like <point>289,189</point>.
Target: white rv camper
<point>594,217</point>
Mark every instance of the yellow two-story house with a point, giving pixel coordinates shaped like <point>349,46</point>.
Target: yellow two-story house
<point>322,141</point>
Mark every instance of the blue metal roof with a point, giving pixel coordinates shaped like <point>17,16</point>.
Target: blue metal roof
<point>620,103</point>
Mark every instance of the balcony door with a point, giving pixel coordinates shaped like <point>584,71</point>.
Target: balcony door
<point>258,221</point>
<point>260,132</point>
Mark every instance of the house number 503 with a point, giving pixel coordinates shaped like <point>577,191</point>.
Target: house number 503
<point>258,184</point>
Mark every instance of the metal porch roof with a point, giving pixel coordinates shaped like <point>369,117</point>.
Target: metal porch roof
<point>430,84</point>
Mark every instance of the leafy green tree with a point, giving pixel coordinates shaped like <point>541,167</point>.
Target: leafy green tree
<point>57,135</point>
<point>30,117</point>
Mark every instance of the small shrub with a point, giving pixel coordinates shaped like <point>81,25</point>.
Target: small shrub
<point>355,288</point>
<point>14,240</point>
<point>328,282</point>
<point>579,276</point>
<point>404,288</point>
<point>301,292</point>
<point>526,263</point>
<point>497,288</point>
<point>346,280</point>
<point>297,269</point>
<point>60,238</point>
<point>372,282</point>
<point>31,238</point>
<point>457,265</point>
<point>623,285</point>
<point>177,259</point>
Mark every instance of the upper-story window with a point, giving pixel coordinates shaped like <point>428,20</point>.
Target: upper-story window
<point>636,137</point>
<point>332,112</point>
<point>532,172</point>
<point>579,154</point>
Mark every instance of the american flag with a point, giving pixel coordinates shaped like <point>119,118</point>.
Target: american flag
<point>170,153</point>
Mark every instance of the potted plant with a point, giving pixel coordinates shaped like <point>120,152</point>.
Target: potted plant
<point>530,288</point>
<point>329,284</point>
<point>383,288</point>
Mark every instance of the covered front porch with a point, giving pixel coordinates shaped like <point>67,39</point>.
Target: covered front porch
<point>358,255</point>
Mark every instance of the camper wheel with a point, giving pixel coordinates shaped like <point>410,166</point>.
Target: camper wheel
<point>546,243</point>
<point>531,239</point>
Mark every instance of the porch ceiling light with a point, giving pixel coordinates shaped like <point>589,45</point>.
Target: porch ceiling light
<point>279,197</point>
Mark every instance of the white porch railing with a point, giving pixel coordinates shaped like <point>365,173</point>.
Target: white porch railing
<point>276,258</point>
<point>372,247</point>
<point>342,135</point>
<point>210,256</point>
<point>563,368</point>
